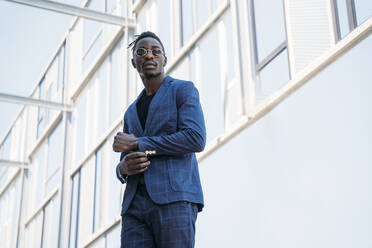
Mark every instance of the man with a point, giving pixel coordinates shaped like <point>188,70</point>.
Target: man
<point>163,128</point>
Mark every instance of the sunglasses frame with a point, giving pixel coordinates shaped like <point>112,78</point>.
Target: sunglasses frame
<point>147,51</point>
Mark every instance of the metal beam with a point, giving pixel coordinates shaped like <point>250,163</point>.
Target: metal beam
<point>78,11</point>
<point>31,101</point>
<point>9,163</point>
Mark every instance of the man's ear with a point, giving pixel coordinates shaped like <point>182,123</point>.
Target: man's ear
<point>134,64</point>
<point>165,61</point>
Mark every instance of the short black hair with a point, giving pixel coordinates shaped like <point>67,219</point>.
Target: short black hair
<point>143,35</point>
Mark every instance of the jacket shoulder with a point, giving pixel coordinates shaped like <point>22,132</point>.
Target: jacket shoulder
<point>181,84</point>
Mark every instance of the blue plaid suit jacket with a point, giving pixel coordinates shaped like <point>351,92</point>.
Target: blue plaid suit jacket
<point>175,129</point>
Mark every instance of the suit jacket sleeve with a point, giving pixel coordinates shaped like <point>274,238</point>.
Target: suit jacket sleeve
<point>191,133</point>
<point>122,155</point>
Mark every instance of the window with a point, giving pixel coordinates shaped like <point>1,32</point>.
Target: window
<point>75,206</point>
<point>194,14</point>
<point>202,12</point>
<point>93,35</point>
<point>271,59</point>
<point>54,160</point>
<point>42,231</point>
<point>96,188</point>
<point>211,86</point>
<point>349,14</point>
<point>187,20</point>
<point>79,123</point>
<point>164,26</point>
<point>102,99</point>
<point>110,5</point>
<point>45,171</point>
<point>40,111</point>
<point>4,154</point>
<point>114,193</point>
<point>93,50</point>
<point>34,231</point>
<point>86,201</point>
<point>9,214</point>
<point>97,191</point>
<point>363,9</point>
<point>36,182</point>
<point>117,90</point>
<point>229,71</point>
<point>61,72</point>
<point>213,66</point>
<point>51,223</point>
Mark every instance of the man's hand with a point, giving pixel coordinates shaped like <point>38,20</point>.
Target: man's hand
<point>124,142</point>
<point>134,163</point>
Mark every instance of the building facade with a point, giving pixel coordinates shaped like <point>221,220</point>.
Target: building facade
<point>286,91</point>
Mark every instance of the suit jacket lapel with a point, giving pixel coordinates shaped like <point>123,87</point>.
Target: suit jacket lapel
<point>135,121</point>
<point>156,104</point>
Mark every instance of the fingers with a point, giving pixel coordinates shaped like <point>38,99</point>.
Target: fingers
<point>120,147</point>
<point>138,168</point>
<point>136,162</point>
<point>135,155</point>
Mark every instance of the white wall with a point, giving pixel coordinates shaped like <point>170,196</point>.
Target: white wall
<point>300,176</point>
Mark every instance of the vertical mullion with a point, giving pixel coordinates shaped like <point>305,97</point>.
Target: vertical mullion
<point>336,21</point>
<point>95,196</point>
<point>254,36</point>
<point>181,23</point>
<point>351,14</point>
<point>42,228</point>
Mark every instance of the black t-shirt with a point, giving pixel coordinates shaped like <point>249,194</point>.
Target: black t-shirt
<point>143,108</point>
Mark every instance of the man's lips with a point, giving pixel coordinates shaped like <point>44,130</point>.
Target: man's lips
<point>149,64</point>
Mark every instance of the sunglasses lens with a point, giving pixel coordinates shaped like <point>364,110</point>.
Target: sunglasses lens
<point>156,52</point>
<point>141,52</point>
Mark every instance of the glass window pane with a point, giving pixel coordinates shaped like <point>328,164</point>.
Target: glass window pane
<point>211,91</point>
<point>270,26</point>
<point>115,188</point>
<point>93,52</point>
<point>55,158</point>
<point>110,5</point>
<point>102,99</point>
<point>202,10</point>
<point>229,46</point>
<point>342,18</point>
<point>214,5</point>
<point>86,214</point>
<point>164,21</point>
<point>98,5</point>
<point>97,191</point>
<point>363,9</point>
<point>34,231</point>
<point>117,90</point>
<point>187,20</point>
<point>51,223</point>
<point>91,30</point>
<point>37,177</point>
<point>273,76</point>
<point>73,241</point>
<point>141,23</point>
<point>79,126</point>
<point>5,147</point>
<point>4,154</point>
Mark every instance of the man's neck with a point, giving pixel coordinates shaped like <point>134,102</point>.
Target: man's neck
<point>153,84</point>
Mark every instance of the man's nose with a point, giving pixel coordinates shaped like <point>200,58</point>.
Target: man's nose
<point>149,54</point>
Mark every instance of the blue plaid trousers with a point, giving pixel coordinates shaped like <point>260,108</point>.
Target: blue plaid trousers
<point>149,225</point>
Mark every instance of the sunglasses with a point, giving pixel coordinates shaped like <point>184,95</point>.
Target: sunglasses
<point>142,52</point>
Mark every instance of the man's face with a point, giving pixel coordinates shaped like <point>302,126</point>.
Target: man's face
<point>149,65</point>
